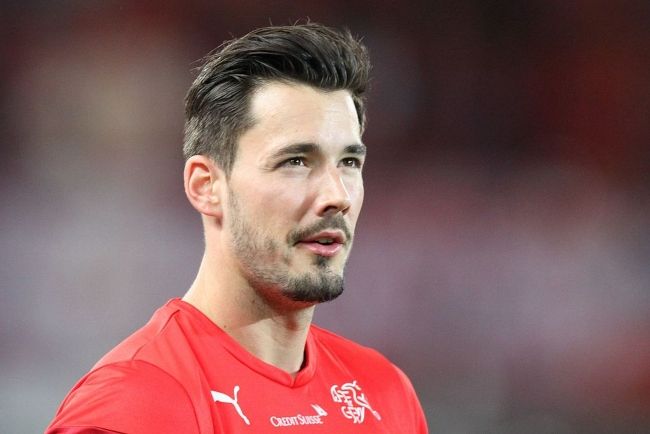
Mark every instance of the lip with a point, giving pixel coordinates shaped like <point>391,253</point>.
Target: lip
<point>328,250</point>
<point>337,236</point>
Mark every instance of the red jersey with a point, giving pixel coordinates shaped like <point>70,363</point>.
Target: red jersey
<point>181,373</point>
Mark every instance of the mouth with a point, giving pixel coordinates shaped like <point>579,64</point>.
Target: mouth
<point>326,243</point>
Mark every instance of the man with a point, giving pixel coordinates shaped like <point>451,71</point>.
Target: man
<point>274,159</point>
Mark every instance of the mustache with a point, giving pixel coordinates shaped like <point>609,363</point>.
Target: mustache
<point>328,223</point>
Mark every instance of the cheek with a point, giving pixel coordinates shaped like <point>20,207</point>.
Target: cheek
<point>277,205</point>
<point>360,193</point>
<point>357,204</point>
<point>356,192</point>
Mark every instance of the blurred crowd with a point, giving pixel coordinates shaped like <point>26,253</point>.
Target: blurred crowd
<point>503,255</point>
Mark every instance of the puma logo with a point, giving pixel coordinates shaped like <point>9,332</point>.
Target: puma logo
<point>222,397</point>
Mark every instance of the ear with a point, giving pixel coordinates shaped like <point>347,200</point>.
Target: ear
<point>203,179</point>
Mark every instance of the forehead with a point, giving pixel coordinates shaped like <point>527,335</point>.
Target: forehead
<point>297,112</point>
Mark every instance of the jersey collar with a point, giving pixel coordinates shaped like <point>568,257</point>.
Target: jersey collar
<point>233,347</point>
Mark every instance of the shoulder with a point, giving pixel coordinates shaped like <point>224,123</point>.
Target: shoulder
<point>130,396</point>
<point>371,374</point>
<point>338,342</point>
<point>361,360</point>
<point>347,349</point>
<point>139,386</point>
<point>150,341</point>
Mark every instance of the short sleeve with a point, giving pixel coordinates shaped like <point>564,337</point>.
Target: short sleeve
<point>126,397</point>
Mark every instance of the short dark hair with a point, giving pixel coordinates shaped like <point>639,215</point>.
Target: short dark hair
<point>217,103</point>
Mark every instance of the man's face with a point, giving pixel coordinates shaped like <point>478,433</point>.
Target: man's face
<point>295,192</point>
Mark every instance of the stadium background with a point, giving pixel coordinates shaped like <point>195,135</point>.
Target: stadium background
<point>502,258</point>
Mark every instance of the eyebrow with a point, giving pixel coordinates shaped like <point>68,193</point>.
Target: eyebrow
<point>306,148</point>
<point>358,149</point>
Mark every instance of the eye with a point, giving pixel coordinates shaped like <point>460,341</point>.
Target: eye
<point>351,162</point>
<point>294,161</point>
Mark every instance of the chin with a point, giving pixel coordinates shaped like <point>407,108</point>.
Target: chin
<point>322,282</point>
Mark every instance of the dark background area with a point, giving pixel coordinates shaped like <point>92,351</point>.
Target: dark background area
<point>502,257</point>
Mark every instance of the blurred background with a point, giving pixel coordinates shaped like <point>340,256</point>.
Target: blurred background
<point>503,255</point>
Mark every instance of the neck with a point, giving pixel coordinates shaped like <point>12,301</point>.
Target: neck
<point>275,333</point>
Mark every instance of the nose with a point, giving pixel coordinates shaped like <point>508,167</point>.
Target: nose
<point>333,196</point>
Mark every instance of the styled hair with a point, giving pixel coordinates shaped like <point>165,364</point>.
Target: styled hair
<point>217,104</point>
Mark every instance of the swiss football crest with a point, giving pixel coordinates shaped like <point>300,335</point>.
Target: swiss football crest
<point>354,401</point>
